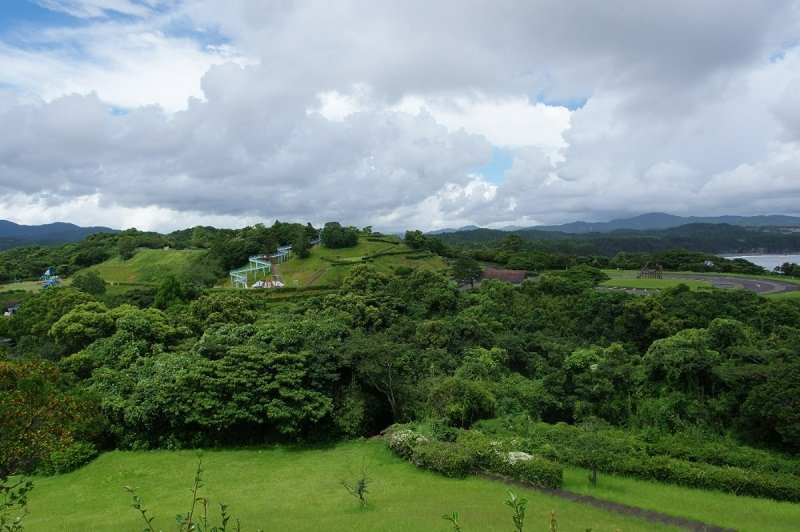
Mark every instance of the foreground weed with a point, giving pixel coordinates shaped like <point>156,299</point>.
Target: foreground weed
<point>14,500</point>
<point>517,504</point>
<point>358,487</point>
<point>453,520</point>
<point>189,522</point>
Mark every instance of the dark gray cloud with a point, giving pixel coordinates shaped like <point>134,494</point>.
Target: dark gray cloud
<point>690,108</point>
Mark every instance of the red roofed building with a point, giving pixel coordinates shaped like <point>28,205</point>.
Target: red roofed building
<point>512,276</point>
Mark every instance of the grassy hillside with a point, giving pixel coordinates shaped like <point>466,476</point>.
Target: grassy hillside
<point>151,265</point>
<point>330,266</point>
<point>283,489</point>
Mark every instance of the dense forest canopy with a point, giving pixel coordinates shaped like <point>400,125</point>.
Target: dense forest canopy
<point>179,365</point>
<point>700,237</point>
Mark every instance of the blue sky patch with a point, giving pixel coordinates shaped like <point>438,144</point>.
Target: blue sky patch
<point>17,14</point>
<point>573,104</point>
<point>495,171</point>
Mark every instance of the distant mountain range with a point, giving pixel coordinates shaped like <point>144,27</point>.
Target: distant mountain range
<point>652,220</point>
<point>13,234</point>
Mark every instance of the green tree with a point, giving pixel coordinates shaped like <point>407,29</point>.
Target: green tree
<point>170,291</point>
<point>301,246</point>
<point>461,402</point>
<point>126,247</point>
<point>90,282</point>
<point>466,269</point>
<point>37,417</point>
<point>335,236</point>
<point>771,413</point>
<point>82,325</point>
<point>38,313</point>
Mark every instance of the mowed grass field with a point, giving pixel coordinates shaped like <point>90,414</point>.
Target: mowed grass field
<point>724,509</point>
<point>285,489</point>
<point>151,265</point>
<point>627,279</point>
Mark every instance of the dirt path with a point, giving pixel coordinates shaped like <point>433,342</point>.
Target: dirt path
<point>316,277</point>
<point>276,271</point>
<point>624,509</point>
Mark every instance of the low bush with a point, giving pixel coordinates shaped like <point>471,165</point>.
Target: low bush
<point>69,459</point>
<point>528,468</point>
<point>471,452</point>
<point>449,459</point>
<point>625,453</point>
<point>721,453</point>
<point>730,479</point>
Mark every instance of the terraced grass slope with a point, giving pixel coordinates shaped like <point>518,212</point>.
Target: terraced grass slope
<point>329,266</point>
<point>285,489</point>
<point>151,265</point>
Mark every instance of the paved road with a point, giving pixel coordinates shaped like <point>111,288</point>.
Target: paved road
<point>761,286</point>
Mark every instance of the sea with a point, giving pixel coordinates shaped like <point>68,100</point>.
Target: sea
<point>767,261</point>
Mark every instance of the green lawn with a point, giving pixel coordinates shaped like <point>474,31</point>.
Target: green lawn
<point>151,265</point>
<point>627,279</point>
<point>284,489</point>
<point>725,509</point>
<point>25,286</point>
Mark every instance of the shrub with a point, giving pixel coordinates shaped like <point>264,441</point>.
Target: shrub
<point>529,468</point>
<point>624,453</point>
<point>69,459</point>
<point>449,459</point>
<point>461,402</point>
<point>470,453</point>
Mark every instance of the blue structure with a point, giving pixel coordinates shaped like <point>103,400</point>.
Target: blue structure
<point>256,264</point>
<point>282,254</point>
<point>259,264</point>
<point>49,278</point>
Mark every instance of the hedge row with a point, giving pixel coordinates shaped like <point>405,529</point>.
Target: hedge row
<point>421,256</point>
<point>625,453</point>
<point>722,454</point>
<point>389,252</point>
<point>730,479</point>
<point>695,449</point>
<point>471,453</point>
<point>381,239</point>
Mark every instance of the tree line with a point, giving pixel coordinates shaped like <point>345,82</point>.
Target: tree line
<point>178,367</point>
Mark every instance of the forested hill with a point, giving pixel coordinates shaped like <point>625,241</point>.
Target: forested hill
<point>660,220</point>
<point>14,235</point>
<point>707,238</point>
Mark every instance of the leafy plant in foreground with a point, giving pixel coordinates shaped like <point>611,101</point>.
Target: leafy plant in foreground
<point>189,522</point>
<point>517,504</point>
<point>453,518</point>
<point>14,498</point>
<point>358,488</point>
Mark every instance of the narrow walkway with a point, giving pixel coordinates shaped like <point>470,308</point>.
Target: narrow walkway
<point>624,509</point>
<point>316,277</point>
<point>276,272</point>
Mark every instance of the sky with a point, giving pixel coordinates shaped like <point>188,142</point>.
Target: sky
<point>410,114</point>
